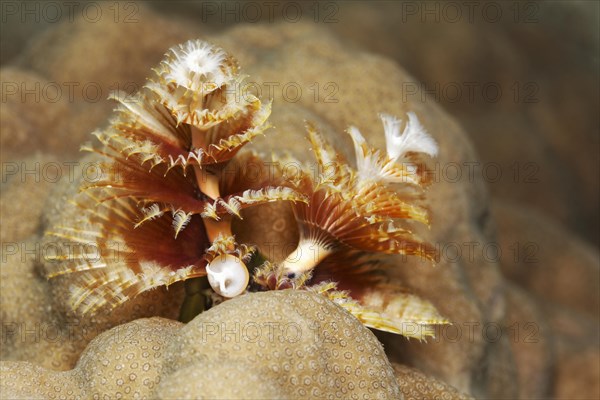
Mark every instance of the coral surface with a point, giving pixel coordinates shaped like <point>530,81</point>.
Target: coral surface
<point>285,344</point>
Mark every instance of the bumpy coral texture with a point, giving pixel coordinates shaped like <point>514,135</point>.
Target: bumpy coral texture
<point>465,291</point>
<point>285,344</point>
<point>415,385</point>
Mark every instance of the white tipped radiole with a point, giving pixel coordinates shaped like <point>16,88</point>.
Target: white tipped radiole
<point>395,164</point>
<point>227,275</point>
<point>414,138</point>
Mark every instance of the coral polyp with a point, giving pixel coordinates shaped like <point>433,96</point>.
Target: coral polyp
<point>165,198</point>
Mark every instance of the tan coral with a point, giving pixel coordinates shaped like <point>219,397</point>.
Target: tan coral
<point>263,353</point>
<point>415,385</point>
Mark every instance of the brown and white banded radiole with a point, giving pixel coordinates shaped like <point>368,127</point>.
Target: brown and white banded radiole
<point>165,200</point>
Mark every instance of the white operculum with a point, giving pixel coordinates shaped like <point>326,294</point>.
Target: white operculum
<point>227,275</point>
